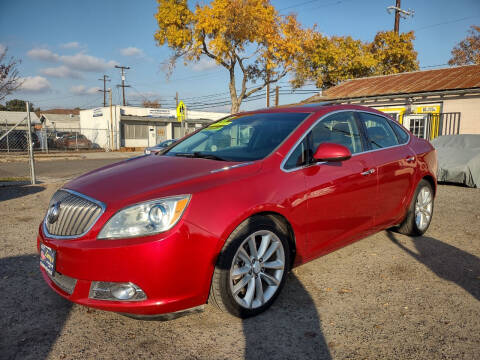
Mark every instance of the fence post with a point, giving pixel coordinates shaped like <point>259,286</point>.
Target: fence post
<point>6,129</point>
<point>30,146</point>
<point>46,139</point>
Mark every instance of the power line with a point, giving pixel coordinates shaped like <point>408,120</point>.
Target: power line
<point>298,5</point>
<point>446,22</point>
<point>431,66</point>
<point>334,3</point>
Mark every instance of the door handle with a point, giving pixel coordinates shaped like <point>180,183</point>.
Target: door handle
<point>410,159</point>
<point>368,172</point>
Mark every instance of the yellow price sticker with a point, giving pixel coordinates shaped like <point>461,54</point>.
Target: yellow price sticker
<point>220,124</point>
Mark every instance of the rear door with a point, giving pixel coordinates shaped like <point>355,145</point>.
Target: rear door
<point>339,194</point>
<point>395,165</point>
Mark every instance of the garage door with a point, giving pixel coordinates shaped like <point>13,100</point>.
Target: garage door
<point>177,130</point>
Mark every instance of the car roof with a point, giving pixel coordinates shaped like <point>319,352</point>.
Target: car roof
<point>321,107</point>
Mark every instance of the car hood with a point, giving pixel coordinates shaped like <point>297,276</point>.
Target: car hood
<point>147,177</point>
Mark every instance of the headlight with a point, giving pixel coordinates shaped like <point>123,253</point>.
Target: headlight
<point>147,152</point>
<point>147,218</point>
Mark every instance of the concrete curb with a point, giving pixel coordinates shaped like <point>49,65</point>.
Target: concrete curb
<point>78,156</point>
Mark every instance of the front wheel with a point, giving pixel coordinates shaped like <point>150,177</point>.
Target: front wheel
<point>420,212</point>
<point>251,269</point>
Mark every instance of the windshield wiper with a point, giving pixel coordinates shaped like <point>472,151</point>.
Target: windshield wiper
<point>201,155</point>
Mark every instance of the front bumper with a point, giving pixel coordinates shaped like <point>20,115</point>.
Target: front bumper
<point>174,269</point>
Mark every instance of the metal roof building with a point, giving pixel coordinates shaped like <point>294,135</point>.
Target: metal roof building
<point>429,103</point>
<point>10,118</point>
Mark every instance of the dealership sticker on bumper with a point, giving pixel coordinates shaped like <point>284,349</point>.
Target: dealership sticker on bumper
<point>47,259</point>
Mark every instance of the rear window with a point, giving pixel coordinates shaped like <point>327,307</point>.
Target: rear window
<point>402,135</point>
<point>380,135</point>
<point>240,138</point>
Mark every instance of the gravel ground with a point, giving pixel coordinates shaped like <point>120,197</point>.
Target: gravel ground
<point>387,296</point>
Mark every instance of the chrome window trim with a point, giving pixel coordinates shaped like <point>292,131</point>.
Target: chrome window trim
<point>66,237</point>
<point>285,159</point>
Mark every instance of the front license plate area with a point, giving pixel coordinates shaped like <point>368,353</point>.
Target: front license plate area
<point>47,259</point>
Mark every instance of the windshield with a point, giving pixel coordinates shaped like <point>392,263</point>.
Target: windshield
<point>240,138</point>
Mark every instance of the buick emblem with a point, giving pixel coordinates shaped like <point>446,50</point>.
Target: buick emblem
<point>53,212</point>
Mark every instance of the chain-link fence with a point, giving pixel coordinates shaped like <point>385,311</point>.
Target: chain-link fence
<point>16,140</point>
<point>64,139</point>
<point>57,140</point>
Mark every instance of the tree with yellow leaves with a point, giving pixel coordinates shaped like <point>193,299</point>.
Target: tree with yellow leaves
<point>467,51</point>
<point>241,35</point>
<point>330,60</point>
<point>327,61</point>
<point>394,53</point>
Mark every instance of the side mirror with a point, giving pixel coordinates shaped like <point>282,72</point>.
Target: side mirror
<point>332,152</point>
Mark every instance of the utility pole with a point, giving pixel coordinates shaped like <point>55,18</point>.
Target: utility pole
<point>277,94</point>
<point>396,27</point>
<point>111,120</point>
<point>268,89</point>
<point>123,86</point>
<point>105,79</point>
<point>176,100</point>
<point>399,13</point>
<point>30,146</point>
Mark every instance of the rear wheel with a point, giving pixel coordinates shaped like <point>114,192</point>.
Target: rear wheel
<point>251,269</point>
<point>420,212</point>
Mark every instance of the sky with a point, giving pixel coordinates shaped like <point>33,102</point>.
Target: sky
<point>66,46</point>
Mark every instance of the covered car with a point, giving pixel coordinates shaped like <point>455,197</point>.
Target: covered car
<point>459,159</point>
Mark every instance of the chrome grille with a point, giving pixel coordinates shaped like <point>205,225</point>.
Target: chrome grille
<point>77,213</point>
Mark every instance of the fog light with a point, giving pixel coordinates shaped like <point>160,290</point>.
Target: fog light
<point>123,291</point>
<point>101,290</point>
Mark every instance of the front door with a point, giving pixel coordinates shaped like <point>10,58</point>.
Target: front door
<point>417,124</point>
<point>152,136</point>
<point>341,195</point>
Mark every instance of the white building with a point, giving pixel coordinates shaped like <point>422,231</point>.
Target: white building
<point>11,118</point>
<point>136,127</point>
<point>61,122</point>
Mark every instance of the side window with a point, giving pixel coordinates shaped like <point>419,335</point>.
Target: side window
<point>392,115</point>
<point>299,156</point>
<point>340,128</point>
<point>402,135</point>
<point>379,133</point>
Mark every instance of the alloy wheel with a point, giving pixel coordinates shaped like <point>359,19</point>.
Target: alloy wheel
<point>423,208</point>
<point>257,269</point>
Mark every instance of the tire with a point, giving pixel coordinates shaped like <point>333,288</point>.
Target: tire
<point>411,225</point>
<point>245,285</point>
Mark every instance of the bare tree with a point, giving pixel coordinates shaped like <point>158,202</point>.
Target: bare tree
<point>9,79</point>
<point>467,51</point>
<point>151,104</point>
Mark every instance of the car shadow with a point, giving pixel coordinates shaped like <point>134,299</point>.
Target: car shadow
<point>17,191</point>
<point>446,261</point>
<point>33,315</point>
<point>290,329</point>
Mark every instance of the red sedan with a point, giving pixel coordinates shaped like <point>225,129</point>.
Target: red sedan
<point>223,215</point>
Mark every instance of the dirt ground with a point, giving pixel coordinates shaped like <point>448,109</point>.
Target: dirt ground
<point>384,297</point>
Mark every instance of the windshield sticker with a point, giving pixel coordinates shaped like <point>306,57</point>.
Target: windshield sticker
<point>221,124</point>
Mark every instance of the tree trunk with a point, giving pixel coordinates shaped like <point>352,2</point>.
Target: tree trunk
<point>233,93</point>
<point>235,106</point>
